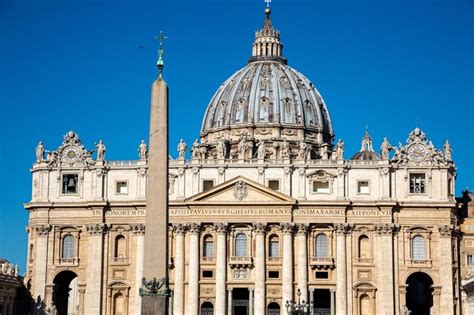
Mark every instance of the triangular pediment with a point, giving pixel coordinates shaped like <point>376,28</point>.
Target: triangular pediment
<point>240,190</point>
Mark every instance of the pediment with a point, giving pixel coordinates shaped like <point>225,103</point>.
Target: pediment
<point>240,190</point>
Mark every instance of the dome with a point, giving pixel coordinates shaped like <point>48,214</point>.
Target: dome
<point>267,101</point>
<point>366,152</point>
<point>267,93</point>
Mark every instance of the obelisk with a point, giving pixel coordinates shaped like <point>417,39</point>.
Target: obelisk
<point>154,289</point>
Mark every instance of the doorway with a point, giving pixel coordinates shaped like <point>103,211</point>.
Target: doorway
<point>240,301</point>
<point>419,293</point>
<point>207,308</point>
<point>273,309</point>
<point>322,302</point>
<point>64,292</point>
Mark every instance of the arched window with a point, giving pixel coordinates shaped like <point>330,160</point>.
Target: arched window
<point>68,247</point>
<point>274,247</point>
<point>273,309</point>
<point>364,247</point>
<point>418,248</point>
<point>120,248</point>
<point>208,248</point>
<point>207,308</point>
<point>321,249</point>
<point>241,245</point>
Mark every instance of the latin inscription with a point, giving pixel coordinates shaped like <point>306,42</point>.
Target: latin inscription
<point>120,213</point>
<point>181,212</point>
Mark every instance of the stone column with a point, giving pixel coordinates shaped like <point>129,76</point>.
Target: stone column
<point>302,261</point>
<point>193,275</point>
<point>446,270</point>
<point>251,302</point>
<point>311,300</point>
<point>333,305</point>
<point>229,302</point>
<point>94,268</point>
<point>178,296</point>
<point>341,279</point>
<point>384,250</point>
<point>259,230</point>
<point>138,230</point>
<point>221,267</point>
<point>41,261</point>
<point>287,268</point>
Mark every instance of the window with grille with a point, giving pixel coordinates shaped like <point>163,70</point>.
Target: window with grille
<point>364,247</point>
<point>418,248</point>
<point>320,187</point>
<point>68,247</point>
<point>321,249</point>
<point>274,184</point>
<point>417,184</point>
<point>208,248</point>
<point>207,185</point>
<point>469,260</point>
<point>241,245</point>
<point>120,250</point>
<point>274,247</point>
<point>121,188</point>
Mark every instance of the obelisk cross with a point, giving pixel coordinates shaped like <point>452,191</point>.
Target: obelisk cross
<point>268,2</point>
<point>160,63</point>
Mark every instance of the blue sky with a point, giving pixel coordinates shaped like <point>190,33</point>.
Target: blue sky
<point>88,66</point>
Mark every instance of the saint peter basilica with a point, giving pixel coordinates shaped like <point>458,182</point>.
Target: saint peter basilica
<point>266,210</point>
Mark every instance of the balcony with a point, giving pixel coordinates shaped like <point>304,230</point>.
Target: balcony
<point>274,260</point>
<point>208,260</point>
<point>321,263</point>
<point>240,262</point>
<point>119,261</point>
<point>72,261</point>
<point>420,262</point>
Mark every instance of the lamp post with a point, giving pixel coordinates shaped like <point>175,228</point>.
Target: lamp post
<point>300,307</point>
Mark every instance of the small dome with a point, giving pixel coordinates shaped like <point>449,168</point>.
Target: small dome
<point>366,152</point>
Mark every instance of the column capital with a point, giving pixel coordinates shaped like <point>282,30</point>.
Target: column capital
<point>260,228</point>
<point>179,228</point>
<point>138,229</point>
<point>42,229</point>
<point>445,230</point>
<point>385,228</point>
<point>301,229</point>
<point>96,229</point>
<point>343,228</point>
<point>221,228</point>
<point>194,228</point>
<point>287,228</point>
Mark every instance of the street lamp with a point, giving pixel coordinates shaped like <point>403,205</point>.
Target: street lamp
<point>300,307</point>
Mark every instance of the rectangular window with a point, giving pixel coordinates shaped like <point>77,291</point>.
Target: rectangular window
<point>207,184</point>
<point>121,188</point>
<point>207,274</point>
<point>417,184</point>
<point>469,260</point>
<point>363,187</point>
<point>321,275</point>
<point>273,274</point>
<point>70,183</point>
<point>274,184</point>
<point>321,187</point>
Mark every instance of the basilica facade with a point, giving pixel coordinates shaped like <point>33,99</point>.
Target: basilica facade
<point>265,211</point>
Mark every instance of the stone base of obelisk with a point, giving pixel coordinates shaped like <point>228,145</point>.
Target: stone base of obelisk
<point>154,305</point>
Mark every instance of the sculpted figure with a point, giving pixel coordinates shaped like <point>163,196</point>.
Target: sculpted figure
<point>202,152</point>
<point>142,150</point>
<point>385,149</point>
<point>181,149</point>
<point>447,151</point>
<point>324,152</point>
<point>285,150</point>
<point>100,150</point>
<point>195,150</point>
<point>243,146</point>
<point>261,150</point>
<point>340,150</point>
<point>39,152</point>
<point>221,149</point>
<point>303,152</point>
<point>51,157</point>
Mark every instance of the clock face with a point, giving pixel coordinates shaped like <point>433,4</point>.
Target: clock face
<point>417,152</point>
<point>70,154</point>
